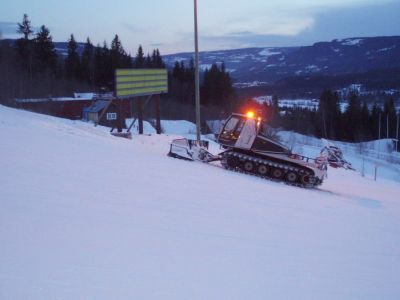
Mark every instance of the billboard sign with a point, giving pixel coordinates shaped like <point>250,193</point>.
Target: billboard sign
<point>140,82</point>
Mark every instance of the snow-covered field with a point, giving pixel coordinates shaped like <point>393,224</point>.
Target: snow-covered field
<point>85,215</point>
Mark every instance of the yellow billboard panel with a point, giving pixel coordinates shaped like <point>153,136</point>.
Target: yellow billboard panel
<point>140,82</point>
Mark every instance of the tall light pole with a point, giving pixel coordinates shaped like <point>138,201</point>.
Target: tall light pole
<point>397,132</point>
<point>196,74</point>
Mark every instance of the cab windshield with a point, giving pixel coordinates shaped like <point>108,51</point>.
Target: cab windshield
<point>232,128</point>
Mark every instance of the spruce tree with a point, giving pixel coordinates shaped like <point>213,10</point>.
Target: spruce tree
<point>25,27</point>
<point>391,116</point>
<point>157,61</point>
<point>24,45</point>
<point>329,115</point>
<point>87,62</point>
<point>44,50</point>
<point>98,65</point>
<point>176,71</point>
<point>117,53</point>
<point>217,87</point>
<point>353,119</point>
<point>154,58</point>
<point>107,67</point>
<point>273,116</point>
<point>139,59</point>
<point>365,121</point>
<point>373,127</point>
<point>148,63</point>
<point>72,62</point>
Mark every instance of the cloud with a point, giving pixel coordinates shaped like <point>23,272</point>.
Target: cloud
<point>372,20</point>
<point>8,29</point>
<point>132,28</point>
<point>326,25</point>
<point>156,44</point>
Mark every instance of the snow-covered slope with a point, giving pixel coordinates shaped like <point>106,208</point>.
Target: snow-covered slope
<point>84,215</point>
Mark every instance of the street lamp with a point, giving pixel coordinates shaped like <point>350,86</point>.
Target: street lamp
<point>196,75</point>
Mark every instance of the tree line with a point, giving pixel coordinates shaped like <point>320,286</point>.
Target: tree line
<point>355,123</point>
<point>216,87</point>
<point>31,66</point>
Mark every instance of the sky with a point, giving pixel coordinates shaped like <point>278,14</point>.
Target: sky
<point>223,24</point>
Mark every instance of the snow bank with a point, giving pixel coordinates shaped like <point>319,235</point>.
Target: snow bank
<point>147,127</point>
<point>179,127</point>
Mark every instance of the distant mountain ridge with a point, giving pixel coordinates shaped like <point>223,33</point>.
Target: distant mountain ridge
<point>271,64</point>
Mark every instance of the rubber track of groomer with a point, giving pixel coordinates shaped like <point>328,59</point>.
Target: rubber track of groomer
<point>270,164</point>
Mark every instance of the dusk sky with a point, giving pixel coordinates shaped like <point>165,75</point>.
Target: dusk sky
<point>223,24</point>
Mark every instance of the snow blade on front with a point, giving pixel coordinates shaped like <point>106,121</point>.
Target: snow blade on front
<point>180,148</point>
<point>191,150</point>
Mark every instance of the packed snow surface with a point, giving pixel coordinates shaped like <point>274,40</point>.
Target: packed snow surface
<point>85,215</point>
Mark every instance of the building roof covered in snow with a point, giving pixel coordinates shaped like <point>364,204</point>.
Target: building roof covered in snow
<point>88,96</point>
<point>76,97</point>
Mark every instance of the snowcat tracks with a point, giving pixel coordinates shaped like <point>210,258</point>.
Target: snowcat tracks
<point>228,158</point>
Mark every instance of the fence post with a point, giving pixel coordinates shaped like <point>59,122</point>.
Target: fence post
<point>363,168</point>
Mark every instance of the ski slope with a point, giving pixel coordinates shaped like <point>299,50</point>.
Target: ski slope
<point>85,215</point>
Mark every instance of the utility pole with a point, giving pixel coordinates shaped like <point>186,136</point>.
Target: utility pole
<point>387,126</point>
<point>196,74</point>
<point>379,136</point>
<point>397,133</point>
<point>379,127</point>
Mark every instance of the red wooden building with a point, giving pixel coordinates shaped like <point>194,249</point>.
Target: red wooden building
<point>69,107</point>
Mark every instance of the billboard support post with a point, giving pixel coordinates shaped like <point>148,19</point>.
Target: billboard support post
<point>158,118</point>
<point>140,114</point>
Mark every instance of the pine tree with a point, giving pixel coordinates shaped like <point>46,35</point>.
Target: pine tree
<point>107,69</point>
<point>104,74</point>
<point>87,62</point>
<point>128,61</point>
<point>24,45</point>
<point>365,121</point>
<point>191,65</point>
<point>117,53</point>
<point>391,116</point>
<point>157,61</point>
<point>177,71</point>
<point>273,116</point>
<point>25,27</point>
<point>98,64</point>
<point>373,127</point>
<point>154,58</point>
<point>329,114</point>
<point>72,62</point>
<point>148,63</point>
<point>217,87</point>
<point>139,59</point>
<point>353,119</point>
<point>44,50</point>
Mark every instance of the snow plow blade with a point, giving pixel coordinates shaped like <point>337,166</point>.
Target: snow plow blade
<point>190,150</point>
<point>180,148</point>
